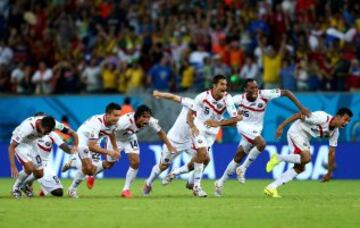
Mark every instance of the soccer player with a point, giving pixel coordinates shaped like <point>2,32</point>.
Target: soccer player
<point>126,129</point>
<point>205,119</point>
<point>252,105</point>
<point>23,146</point>
<point>178,135</point>
<point>319,124</point>
<point>90,132</point>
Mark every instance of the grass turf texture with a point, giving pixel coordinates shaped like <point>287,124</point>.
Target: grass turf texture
<point>304,204</point>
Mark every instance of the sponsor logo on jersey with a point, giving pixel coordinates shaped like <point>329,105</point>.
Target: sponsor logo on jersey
<point>219,106</point>
<point>200,141</point>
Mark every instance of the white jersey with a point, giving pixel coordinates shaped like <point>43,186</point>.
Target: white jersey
<point>254,111</point>
<point>126,127</point>
<point>180,131</point>
<point>94,128</point>
<point>45,144</point>
<point>27,131</point>
<point>207,107</point>
<point>317,125</point>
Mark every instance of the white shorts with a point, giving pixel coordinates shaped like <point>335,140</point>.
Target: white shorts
<point>203,140</point>
<point>50,181</point>
<point>297,142</point>
<point>167,157</point>
<point>28,153</point>
<point>247,131</point>
<point>128,146</point>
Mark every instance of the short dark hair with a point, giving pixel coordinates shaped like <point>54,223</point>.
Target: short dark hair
<point>39,114</point>
<point>127,100</point>
<point>343,111</point>
<point>48,122</point>
<point>247,81</point>
<point>217,78</point>
<point>141,110</point>
<point>111,107</point>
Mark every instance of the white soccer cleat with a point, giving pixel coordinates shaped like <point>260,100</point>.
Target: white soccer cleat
<point>72,193</point>
<point>167,180</point>
<point>240,175</point>
<point>198,192</point>
<point>16,193</point>
<point>218,188</point>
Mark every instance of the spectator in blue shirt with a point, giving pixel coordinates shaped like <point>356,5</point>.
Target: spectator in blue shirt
<point>160,75</point>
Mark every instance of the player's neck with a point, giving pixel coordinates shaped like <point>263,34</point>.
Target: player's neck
<point>214,96</point>
<point>37,126</point>
<point>332,123</point>
<point>250,98</point>
<point>105,119</point>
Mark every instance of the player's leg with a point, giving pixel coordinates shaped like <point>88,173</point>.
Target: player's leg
<point>199,159</point>
<point>190,180</point>
<point>134,160</point>
<point>260,145</point>
<point>50,183</point>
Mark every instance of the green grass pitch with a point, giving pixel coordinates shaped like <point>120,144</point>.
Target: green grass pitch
<point>304,204</point>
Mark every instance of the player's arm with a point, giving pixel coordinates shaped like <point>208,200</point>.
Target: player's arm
<point>331,164</point>
<point>223,123</point>
<point>190,121</point>
<point>94,147</point>
<point>67,130</point>
<point>66,148</point>
<point>162,135</point>
<point>13,169</point>
<point>112,138</point>
<point>291,96</point>
<point>168,96</point>
<point>291,119</point>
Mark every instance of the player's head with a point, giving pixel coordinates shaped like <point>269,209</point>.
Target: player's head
<point>219,85</point>
<point>39,114</point>
<point>112,112</point>
<point>142,115</point>
<point>47,124</point>
<point>343,117</point>
<point>251,88</point>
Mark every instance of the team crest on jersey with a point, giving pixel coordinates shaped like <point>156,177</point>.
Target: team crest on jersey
<point>260,105</point>
<point>48,144</point>
<point>219,106</point>
<point>200,141</point>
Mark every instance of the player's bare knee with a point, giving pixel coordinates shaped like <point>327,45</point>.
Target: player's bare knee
<point>28,168</point>
<point>239,155</point>
<point>207,160</point>
<point>163,166</point>
<point>38,173</point>
<point>108,165</point>
<point>59,192</point>
<point>305,158</point>
<point>190,165</point>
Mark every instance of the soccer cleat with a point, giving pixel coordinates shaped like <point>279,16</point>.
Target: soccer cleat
<point>90,182</point>
<point>16,193</point>
<point>72,193</point>
<point>167,180</point>
<point>147,189</point>
<point>218,188</point>
<point>67,166</point>
<point>197,191</point>
<point>271,192</point>
<point>270,165</point>
<point>126,194</point>
<point>27,190</point>
<point>189,186</point>
<point>240,175</point>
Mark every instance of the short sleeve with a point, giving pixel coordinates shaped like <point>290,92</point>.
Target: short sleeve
<point>154,124</point>
<point>21,132</point>
<point>316,118</point>
<point>333,140</point>
<point>270,94</point>
<point>59,126</point>
<point>198,102</point>
<point>238,99</point>
<point>56,138</point>
<point>230,106</point>
<point>187,102</point>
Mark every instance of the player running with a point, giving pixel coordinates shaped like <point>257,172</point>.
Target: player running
<point>90,133</point>
<point>24,146</point>
<point>126,129</point>
<point>319,124</point>
<point>252,105</point>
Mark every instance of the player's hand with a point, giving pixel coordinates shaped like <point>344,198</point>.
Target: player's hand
<point>74,149</point>
<point>326,178</point>
<point>211,123</point>
<point>195,131</point>
<point>305,112</point>
<point>114,154</point>
<point>172,149</point>
<point>156,94</point>
<point>14,171</point>
<point>279,132</point>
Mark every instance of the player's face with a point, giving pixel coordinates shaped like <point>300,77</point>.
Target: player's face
<point>252,89</point>
<point>44,130</point>
<point>343,121</point>
<point>143,120</point>
<point>220,88</point>
<point>113,117</point>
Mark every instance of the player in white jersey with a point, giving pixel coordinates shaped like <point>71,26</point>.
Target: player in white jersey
<point>209,107</point>
<point>90,132</point>
<point>23,146</point>
<point>178,135</point>
<point>252,104</point>
<point>319,124</point>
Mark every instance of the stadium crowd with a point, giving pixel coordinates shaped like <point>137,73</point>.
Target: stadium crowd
<point>110,46</point>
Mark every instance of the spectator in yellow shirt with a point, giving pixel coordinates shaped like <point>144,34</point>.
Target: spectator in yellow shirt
<point>187,73</point>
<point>134,76</point>
<point>109,77</point>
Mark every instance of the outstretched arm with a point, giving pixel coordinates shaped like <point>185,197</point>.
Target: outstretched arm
<point>168,96</point>
<point>223,123</point>
<point>291,119</point>
<point>13,169</point>
<point>331,164</point>
<point>291,96</point>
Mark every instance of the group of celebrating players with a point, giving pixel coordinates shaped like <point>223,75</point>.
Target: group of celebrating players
<point>193,132</point>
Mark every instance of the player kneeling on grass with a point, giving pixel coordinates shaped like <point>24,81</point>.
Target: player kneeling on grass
<point>126,129</point>
<point>24,146</point>
<point>319,124</point>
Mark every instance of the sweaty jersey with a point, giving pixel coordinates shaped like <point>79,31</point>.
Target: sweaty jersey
<point>94,128</point>
<point>254,111</point>
<point>126,127</point>
<point>207,107</point>
<point>45,143</point>
<point>180,131</point>
<point>27,132</point>
<point>317,125</point>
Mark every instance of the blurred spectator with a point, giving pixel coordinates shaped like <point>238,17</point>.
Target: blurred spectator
<point>134,76</point>
<point>302,76</point>
<point>91,77</point>
<point>18,78</point>
<point>160,75</point>
<point>354,78</point>
<point>187,74</point>
<point>250,69</point>
<point>126,107</point>
<point>109,74</point>
<point>42,79</point>
<point>287,75</point>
